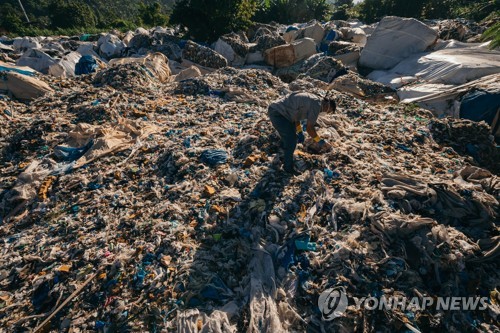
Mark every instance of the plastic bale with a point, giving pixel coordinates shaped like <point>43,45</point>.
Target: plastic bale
<point>66,66</point>
<point>303,48</point>
<point>203,55</point>
<point>23,87</point>
<point>280,56</point>
<point>410,35</point>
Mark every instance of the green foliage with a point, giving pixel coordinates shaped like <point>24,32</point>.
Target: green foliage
<point>341,13</point>
<point>122,25</point>
<point>435,9</point>
<point>71,14</point>
<point>373,10</point>
<point>370,10</point>
<point>206,20</point>
<point>293,11</point>
<point>152,15</point>
<point>56,16</point>
<point>11,18</point>
<point>475,10</point>
<point>340,3</point>
<point>493,34</point>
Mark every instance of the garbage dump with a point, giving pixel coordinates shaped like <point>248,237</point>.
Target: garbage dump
<point>459,29</point>
<point>133,198</point>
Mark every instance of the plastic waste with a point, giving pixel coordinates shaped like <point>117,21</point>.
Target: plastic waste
<point>86,65</point>
<point>214,157</point>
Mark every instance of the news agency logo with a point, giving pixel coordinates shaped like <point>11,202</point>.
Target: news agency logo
<point>333,303</point>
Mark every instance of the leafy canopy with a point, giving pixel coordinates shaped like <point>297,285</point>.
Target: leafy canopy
<point>293,11</point>
<point>206,20</point>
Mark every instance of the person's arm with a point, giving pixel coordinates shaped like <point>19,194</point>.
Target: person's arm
<point>312,132</point>
<point>316,138</point>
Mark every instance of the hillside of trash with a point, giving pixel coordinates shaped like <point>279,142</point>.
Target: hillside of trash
<point>141,188</point>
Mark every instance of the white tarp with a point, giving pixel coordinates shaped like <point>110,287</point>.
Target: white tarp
<point>227,52</point>
<point>36,59</point>
<point>354,35</point>
<point>349,59</point>
<point>65,67</point>
<point>314,31</point>
<point>4,47</point>
<point>110,46</point>
<point>453,63</point>
<point>25,43</point>
<point>6,67</point>
<point>23,87</point>
<point>443,100</point>
<point>254,57</point>
<point>369,29</point>
<point>88,49</point>
<point>303,48</point>
<point>141,31</point>
<point>395,39</point>
<point>290,36</point>
<point>128,37</point>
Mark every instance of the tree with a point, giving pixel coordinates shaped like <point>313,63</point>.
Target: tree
<point>341,13</point>
<point>373,10</point>
<point>152,15</point>
<point>206,20</point>
<point>292,11</point>
<point>10,18</point>
<point>476,10</point>
<point>71,14</point>
<point>348,3</point>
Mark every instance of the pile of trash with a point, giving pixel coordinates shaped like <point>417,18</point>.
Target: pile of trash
<point>133,200</point>
<point>460,30</point>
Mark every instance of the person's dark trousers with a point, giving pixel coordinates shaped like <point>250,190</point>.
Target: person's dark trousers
<point>286,130</point>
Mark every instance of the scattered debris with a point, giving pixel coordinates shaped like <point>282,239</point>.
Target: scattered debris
<point>132,199</point>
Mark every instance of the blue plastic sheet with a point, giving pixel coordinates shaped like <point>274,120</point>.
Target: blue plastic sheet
<point>72,154</point>
<point>86,65</point>
<point>17,70</point>
<point>480,105</point>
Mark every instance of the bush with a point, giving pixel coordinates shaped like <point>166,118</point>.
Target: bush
<point>152,15</point>
<point>71,14</point>
<point>10,18</point>
<point>493,34</point>
<point>373,10</point>
<point>122,25</point>
<point>341,13</point>
<point>476,10</point>
<point>293,11</point>
<point>206,20</point>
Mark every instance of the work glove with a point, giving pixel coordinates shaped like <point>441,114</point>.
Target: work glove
<point>300,135</point>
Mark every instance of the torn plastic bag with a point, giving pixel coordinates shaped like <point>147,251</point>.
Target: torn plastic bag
<point>72,154</point>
